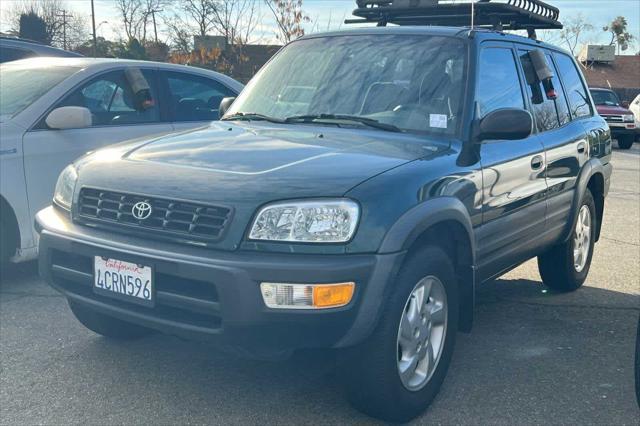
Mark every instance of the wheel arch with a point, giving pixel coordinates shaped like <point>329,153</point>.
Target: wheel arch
<point>592,177</point>
<point>445,222</point>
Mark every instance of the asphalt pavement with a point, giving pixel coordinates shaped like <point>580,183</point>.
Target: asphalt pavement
<point>533,357</point>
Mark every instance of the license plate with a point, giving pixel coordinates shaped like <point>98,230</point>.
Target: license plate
<point>123,280</point>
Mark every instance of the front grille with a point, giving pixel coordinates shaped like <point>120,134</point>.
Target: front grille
<point>613,118</point>
<point>168,217</point>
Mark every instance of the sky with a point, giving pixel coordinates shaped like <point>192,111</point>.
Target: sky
<point>329,14</point>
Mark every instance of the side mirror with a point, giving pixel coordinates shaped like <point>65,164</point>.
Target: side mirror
<point>69,117</point>
<point>506,124</point>
<point>625,104</point>
<point>225,104</point>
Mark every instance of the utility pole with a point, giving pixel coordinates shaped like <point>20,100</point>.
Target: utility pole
<point>64,27</point>
<point>155,28</point>
<point>93,24</point>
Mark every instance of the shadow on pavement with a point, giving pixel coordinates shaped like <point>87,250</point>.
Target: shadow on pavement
<point>533,356</point>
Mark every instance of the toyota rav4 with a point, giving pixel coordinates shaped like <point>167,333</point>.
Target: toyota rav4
<point>353,197</point>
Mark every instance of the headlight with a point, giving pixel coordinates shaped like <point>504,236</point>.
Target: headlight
<point>65,186</point>
<point>318,221</point>
<point>628,118</point>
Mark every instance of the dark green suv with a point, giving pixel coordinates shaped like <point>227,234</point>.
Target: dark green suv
<point>353,197</point>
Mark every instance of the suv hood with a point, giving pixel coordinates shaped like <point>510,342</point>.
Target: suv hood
<point>612,110</point>
<point>243,166</point>
<point>230,162</point>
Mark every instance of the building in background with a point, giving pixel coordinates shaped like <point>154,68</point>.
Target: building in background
<point>620,73</point>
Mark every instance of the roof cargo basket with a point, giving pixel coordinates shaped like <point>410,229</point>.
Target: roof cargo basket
<point>496,14</point>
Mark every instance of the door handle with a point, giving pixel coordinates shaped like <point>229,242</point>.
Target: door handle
<point>537,162</point>
<point>582,147</point>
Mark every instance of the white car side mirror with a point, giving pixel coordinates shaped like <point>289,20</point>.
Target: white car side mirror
<point>69,117</point>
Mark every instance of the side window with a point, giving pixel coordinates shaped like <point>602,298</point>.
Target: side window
<point>118,98</point>
<point>573,86</point>
<point>549,113</point>
<point>498,82</point>
<point>194,98</point>
<point>12,54</point>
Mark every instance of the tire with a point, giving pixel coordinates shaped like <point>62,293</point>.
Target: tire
<point>372,369</point>
<point>625,142</point>
<point>107,326</point>
<point>559,268</point>
<point>7,243</point>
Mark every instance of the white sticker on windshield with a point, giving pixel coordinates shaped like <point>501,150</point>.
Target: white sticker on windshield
<point>438,120</point>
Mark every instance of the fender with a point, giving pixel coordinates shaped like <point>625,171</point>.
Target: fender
<point>420,218</point>
<point>414,222</point>
<point>590,168</point>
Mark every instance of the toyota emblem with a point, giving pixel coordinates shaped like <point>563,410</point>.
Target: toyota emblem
<point>141,210</point>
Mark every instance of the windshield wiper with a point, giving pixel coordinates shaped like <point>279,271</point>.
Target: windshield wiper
<point>370,122</point>
<point>252,116</point>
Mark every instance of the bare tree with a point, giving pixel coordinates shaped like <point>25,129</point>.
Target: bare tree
<point>201,12</point>
<point>574,31</point>
<point>180,34</point>
<point>179,23</point>
<point>572,37</point>
<point>137,15</point>
<point>235,20</point>
<point>131,14</point>
<point>55,24</point>
<point>289,17</point>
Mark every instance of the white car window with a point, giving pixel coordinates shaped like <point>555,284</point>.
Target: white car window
<point>194,98</point>
<point>112,100</point>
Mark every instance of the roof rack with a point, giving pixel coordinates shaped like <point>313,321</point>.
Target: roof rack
<point>498,15</point>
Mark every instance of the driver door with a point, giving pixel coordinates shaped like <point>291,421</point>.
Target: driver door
<point>115,117</point>
<point>513,172</point>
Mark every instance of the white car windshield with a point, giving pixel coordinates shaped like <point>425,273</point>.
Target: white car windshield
<point>22,85</point>
<point>410,83</point>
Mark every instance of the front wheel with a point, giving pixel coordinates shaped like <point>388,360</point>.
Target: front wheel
<point>625,142</point>
<point>565,267</point>
<point>399,370</point>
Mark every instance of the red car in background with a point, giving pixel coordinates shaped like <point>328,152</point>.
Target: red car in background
<point>620,119</point>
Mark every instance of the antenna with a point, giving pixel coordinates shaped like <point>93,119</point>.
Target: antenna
<point>473,13</point>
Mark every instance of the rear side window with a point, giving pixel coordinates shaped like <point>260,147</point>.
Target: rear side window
<point>498,82</point>
<point>549,113</point>
<point>194,98</point>
<point>573,86</point>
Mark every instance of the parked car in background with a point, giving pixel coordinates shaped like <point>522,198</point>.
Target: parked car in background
<point>15,48</point>
<point>634,107</point>
<point>53,110</point>
<point>620,119</point>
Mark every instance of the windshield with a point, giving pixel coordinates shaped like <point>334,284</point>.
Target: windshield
<point>408,82</point>
<point>603,97</point>
<point>20,86</point>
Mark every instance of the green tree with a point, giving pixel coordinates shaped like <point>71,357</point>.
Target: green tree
<point>132,49</point>
<point>104,48</point>
<point>33,27</point>
<point>620,36</point>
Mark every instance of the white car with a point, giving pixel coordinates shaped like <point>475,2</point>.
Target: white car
<point>635,109</point>
<point>52,110</point>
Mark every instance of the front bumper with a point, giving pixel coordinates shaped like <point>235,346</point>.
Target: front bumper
<point>210,295</point>
<point>623,129</point>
